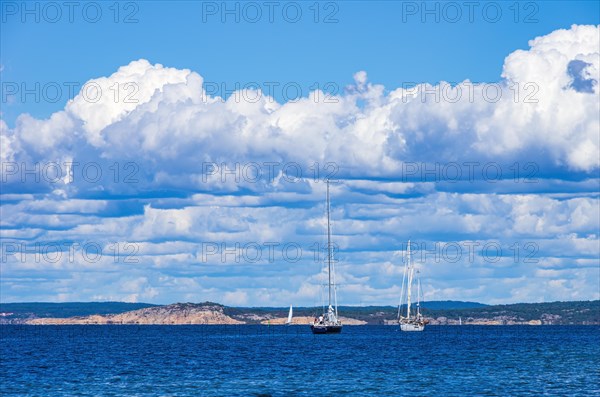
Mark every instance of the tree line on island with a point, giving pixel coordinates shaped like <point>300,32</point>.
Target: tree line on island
<point>437,312</point>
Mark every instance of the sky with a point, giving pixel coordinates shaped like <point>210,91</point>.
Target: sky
<point>162,152</point>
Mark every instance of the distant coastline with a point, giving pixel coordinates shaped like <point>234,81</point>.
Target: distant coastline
<point>209,313</point>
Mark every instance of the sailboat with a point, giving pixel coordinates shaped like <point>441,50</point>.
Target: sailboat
<point>328,322</point>
<point>411,321</point>
<point>289,319</point>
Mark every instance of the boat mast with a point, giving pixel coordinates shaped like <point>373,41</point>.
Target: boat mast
<point>418,296</point>
<point>410,277</point>
<point>328,245</point>
<point>402,289</point>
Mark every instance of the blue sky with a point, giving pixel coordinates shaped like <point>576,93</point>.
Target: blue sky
<point>165,204</point>
<point>388,39</point>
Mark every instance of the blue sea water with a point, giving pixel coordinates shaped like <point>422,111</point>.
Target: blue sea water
<point>290,361</point>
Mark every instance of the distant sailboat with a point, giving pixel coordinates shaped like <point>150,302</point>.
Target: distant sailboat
<point>459,320</point>
<point>289,319</point>
<point>410,322</point>
<point>328,323</point>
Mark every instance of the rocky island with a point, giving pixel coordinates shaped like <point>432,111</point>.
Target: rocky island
<point>210,313</point>
<point>178,313</point>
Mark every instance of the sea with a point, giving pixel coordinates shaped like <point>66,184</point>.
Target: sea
<point>248,360</point>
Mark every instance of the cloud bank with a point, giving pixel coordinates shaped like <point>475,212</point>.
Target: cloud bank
<point>147,157</point>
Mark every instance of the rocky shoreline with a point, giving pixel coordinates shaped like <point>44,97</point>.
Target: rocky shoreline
<point>209,313</point>
<point>178,313</point>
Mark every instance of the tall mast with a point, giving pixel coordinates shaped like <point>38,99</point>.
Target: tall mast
<point>328,244</point>
<point>410,277</point>
<point>404,274</point>
<point>418,295</point>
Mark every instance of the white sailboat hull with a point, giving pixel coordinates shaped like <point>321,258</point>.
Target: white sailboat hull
<point>412,327</point>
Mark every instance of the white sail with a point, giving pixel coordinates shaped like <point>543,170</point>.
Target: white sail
<point>403,288</point>
<point>289,319</point>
